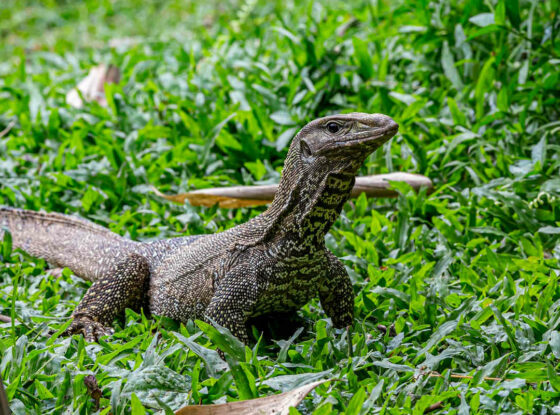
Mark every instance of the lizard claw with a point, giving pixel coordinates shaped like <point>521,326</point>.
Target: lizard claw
<point>91,329</point>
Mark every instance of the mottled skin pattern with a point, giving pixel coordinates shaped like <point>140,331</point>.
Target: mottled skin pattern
<point>276,262</point>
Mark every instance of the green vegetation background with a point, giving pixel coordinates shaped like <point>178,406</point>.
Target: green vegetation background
<point>211,94</point>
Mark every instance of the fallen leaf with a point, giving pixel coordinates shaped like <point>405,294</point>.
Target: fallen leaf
<point>246,196</point>
<point>93,390</point>
<point>5,319</point>
<point>270,405</point>
<point>226,197</point>
<point>92,87</point>
<point>4,404</point>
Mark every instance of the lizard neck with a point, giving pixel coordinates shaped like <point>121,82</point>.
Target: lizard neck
<point>305,207</point>
<point>320,206</point>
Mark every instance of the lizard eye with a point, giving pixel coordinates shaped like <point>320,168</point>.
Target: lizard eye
<point>333,127</point>
<point>305,150</point>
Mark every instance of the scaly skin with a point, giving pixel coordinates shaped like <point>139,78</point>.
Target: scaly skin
<point>276,262</point>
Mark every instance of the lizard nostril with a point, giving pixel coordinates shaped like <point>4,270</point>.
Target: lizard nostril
<point>382,121</point>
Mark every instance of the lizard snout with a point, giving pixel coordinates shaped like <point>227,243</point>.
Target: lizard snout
<point>380,121</point>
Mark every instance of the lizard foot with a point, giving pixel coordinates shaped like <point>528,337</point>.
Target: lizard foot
<point>91,329</point>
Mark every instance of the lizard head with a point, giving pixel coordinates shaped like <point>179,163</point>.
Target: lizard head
<point>320,169</point>
<point>341,143</point>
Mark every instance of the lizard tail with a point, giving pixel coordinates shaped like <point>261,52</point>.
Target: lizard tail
<point>89,250</point>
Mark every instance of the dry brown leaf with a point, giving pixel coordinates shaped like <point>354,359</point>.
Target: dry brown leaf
<point>93,390</point>
<point>92,87</point>
<point>225,197</point>
<point>246,196</point>
<point>270,405</point>
<point>379,185</point>
<point>4,404</point>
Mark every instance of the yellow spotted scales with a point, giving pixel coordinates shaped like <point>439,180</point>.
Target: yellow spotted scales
<point>276,262</point>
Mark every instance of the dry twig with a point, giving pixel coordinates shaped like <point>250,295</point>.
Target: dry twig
<point>8,128</point>
<point>433,407</point>
<point>455,376</point>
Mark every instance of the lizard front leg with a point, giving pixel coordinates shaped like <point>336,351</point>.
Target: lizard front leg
<point>336,293</point>
<point>233,301</point>
<point>108,297</point>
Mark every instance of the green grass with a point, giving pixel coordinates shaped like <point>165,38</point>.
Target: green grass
<point>210,96</point>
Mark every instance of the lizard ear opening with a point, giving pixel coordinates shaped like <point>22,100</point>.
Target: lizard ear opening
<point>305,150</point>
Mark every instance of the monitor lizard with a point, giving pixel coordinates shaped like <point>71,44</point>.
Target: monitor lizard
<point>275,262</point>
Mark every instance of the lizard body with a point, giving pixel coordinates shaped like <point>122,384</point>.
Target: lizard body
<point>276,261</point>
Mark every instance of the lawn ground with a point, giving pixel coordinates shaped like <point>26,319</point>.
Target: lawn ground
<point>211,93</point>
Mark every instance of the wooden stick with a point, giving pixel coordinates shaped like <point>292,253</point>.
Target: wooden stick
<point>245,196</point>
